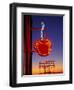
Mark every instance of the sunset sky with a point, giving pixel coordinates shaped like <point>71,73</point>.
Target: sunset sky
<point>54,32</point>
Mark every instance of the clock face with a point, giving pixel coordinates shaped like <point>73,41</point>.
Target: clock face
<point>43,47</point>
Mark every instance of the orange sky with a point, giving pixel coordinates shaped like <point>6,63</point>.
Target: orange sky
<point>57,68</point>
